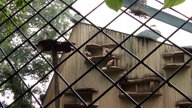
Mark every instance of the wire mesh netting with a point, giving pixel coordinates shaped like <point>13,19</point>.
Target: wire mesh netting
<point>55,54</point>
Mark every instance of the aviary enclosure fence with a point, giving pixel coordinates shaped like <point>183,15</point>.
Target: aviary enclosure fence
<point>68,46</point>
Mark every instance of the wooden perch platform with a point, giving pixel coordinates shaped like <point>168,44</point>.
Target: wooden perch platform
<point>109,45</point>
<point>50,44</point>
<point>176,53</point>
<point>77,105</point>
<point>174,65</point>
<point>141,80</point>
<point>140,87</point>
<point>99,57</point>
<point>113,69</point>
<point>139,95</point>
<point>93,46</point>
<point>83,91</point>
<point>184,104</point>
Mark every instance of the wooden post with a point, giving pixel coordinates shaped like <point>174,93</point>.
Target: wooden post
<point>53,46</point>
<point>55,61</point>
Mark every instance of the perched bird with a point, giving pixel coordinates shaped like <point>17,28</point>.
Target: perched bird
<point>87,53</point>
<point>137,8</point>
<point>111,60</point>
<point>110,63</point>
<point>125,79</point>
<point>139,12</point>
<point>107,50</point>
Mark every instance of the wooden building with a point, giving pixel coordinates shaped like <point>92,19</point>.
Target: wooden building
<point>141,81</point>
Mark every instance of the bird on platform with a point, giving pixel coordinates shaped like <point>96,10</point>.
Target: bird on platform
<point>110,63</point>
<point>87,53</point>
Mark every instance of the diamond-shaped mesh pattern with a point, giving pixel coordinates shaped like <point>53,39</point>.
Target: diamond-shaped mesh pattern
<point>37,44</point>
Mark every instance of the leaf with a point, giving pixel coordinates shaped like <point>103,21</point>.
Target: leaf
<point>171,3</point>
<point>19,3</point>
<point>114,4</point>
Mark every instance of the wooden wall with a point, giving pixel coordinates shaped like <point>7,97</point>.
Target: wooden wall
<point>76,66</point>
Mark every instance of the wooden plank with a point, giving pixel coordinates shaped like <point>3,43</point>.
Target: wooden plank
<point>99,57</point>
<point>174,65</point>
<point>161,16</point>
<point>113,69</point>
<point>109,45</point>
<point>93,46</point>
<point>77,105</point>
<point>140,80</point>
<point>139,95</point>
<point>187,104</point>
<point>176,53</point>
<point>83,91</point>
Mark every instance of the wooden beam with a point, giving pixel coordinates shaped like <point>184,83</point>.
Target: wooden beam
<point>162,16</point>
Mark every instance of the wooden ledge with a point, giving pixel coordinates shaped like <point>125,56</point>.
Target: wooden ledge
<point>140,94</point>
<point>176,53</point>
<point>86,90</point>
<point>50,45</point>
<point>184,104</point>
<point>93,46</point>
<point>174,65</point>
<point>109,45</point>
<point>83,91</point>
<point>77,105</point>
<point>113,69</point>
<point>141,80</point>
<point>99,57</point>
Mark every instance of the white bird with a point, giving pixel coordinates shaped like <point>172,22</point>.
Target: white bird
<point>87,53</point>
<point>110,63</point>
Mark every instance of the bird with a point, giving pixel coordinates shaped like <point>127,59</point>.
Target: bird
<point>137,8</point>
<point>87,53</point>
<point>111,60</point>
<point>139,12</point>
<point>125,78</point>
<point>110,63</point>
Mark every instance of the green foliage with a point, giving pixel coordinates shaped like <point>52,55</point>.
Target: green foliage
<point>19,3</point>
<point>7,12</point>
<point>17,86</point>
<point>117,4</point>
<point>114,4</point>
<point>38,67</point>
<point>171,3</point>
